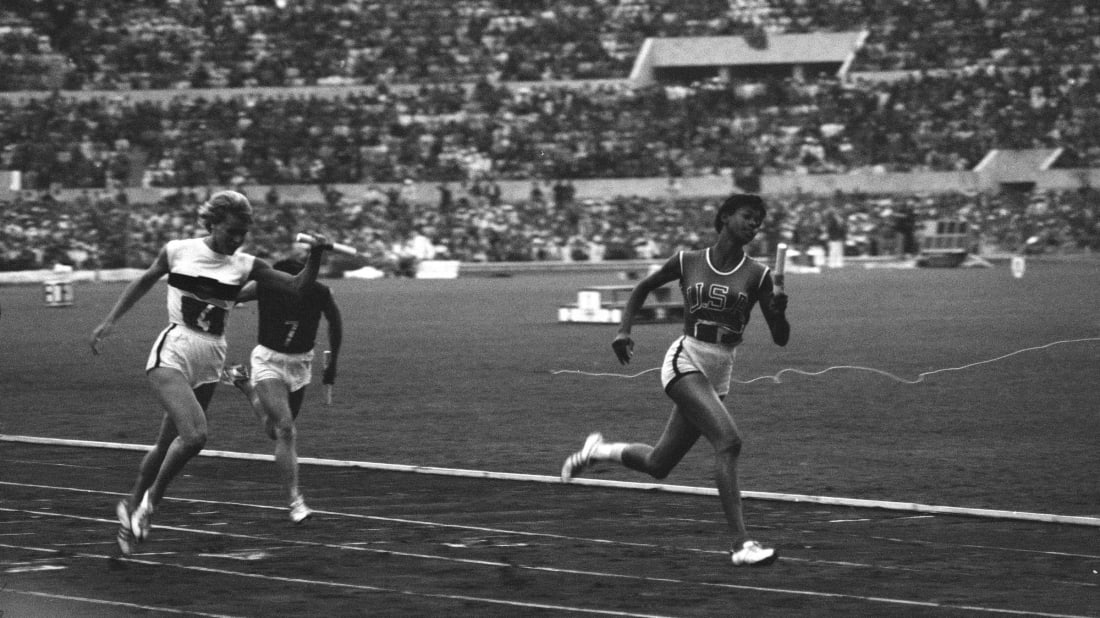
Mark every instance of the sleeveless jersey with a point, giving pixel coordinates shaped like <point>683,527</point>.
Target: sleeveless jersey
<point>288,323</point>
<point>721,299</point>
<point>203,284</point>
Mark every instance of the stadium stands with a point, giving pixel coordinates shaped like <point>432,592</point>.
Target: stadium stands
<point>110,44</point>
<point>437,133</point>
<point>102,231</point>
<point>466,91</point>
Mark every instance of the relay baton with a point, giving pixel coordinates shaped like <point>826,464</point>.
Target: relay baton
<point>780,265</point>
<point>337,247</point>
<point>328,387</point>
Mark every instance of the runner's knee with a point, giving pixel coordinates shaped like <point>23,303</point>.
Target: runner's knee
<point>193,441</point>
<point>645,459</point>
<point>729,445</point>
<point>660,471</point>
<point>658,468</point>
<point>284,429</point>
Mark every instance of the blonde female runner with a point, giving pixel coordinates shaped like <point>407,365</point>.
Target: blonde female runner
<point>185,363</point>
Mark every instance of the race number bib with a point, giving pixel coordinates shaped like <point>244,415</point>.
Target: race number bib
<point>203,316</point>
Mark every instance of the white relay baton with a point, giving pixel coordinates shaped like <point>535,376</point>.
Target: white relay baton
<point>337,247</point>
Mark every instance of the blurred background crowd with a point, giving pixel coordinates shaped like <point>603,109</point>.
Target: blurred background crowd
<point>465,93</point>
<point>126,45</point>
<point>434,133</point>
<point>100,230</point>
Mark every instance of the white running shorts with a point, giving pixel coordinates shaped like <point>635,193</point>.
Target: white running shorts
<point>689,355</point>
<point>294,370</point>
<point>198,356</point>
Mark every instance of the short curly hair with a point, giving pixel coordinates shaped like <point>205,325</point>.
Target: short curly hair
<point>739,200</point>
<point>222,205</point>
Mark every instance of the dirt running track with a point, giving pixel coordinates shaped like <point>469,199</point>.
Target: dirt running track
<point>392,543</point>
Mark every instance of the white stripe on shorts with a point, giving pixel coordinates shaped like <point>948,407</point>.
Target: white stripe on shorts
<point>688,355</point>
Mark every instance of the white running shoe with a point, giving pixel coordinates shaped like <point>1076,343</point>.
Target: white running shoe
<point>299,512</point>
<point>576,463</point>
<point>233,374</point>
<point>139,519</point>
<point>126,540</point>
<point>754,554</point>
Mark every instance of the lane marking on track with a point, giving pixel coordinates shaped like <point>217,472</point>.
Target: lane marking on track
<point>358,547</point>
<point>440,525</point>
<point>152,608</point>
<point>52,464</point>
<point>246,556</point>
<point>31,569</point>
<point>1044,552</point>
<point>566,608</point>
<point>320,583</point>
<point>542,478</point>
<point>548,535</point>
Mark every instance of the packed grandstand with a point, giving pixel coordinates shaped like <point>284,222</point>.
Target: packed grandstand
<point>183,96</point>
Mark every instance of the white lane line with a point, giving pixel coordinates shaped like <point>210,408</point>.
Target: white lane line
<point>50,463</point>
<point>558,537</point>
<point>891,505</point>
<point>439,525</point>
<point>540,569</point>
<point>327,584</point>
<point>1019,550</point>
<point>34,568</point>
<point>150,608</point>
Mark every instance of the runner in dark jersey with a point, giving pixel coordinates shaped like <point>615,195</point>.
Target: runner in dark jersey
<point>720,286</point>
<point>282,367</point>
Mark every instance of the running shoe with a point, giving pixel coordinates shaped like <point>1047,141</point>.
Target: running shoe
<point>576,463</point>
<point>126,540</point>
<point>233,374</point>
<point>299,512</point>
<point>139,519</point>
<point>754,554</point>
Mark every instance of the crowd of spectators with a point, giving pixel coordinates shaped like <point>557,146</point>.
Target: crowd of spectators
<point>441,101</point>
<point>102,230</point>
<point>943,122</point>
<point>1009,74</point>
<point>115,44</point>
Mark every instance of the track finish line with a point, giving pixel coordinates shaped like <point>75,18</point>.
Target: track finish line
<point>1076,520</point>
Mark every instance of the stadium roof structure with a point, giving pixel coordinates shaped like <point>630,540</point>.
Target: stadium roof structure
<point>1018,165</point>
<point>661,59</point>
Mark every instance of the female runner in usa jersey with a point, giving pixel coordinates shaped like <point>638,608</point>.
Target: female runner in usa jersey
<point>720,286</point>
<point>185,363</point>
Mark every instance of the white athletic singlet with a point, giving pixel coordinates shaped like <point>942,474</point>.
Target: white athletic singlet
<point>203,284</point>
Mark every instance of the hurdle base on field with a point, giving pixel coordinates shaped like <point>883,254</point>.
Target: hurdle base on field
<point>604,304</point>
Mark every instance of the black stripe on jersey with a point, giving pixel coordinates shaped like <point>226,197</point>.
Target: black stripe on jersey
<point>204,287</point>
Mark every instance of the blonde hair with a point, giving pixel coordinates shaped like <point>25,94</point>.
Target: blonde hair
<point>221,206</point>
